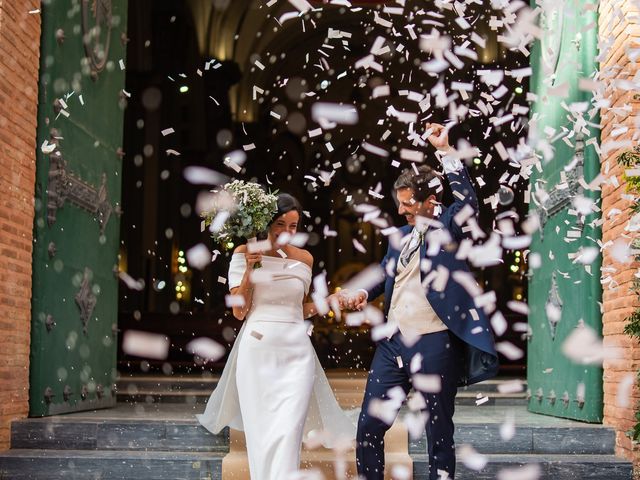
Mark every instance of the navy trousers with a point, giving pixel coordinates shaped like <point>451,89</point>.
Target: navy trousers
<point>442,354</point>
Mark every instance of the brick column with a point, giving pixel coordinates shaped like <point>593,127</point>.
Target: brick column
<point>618,31</point>
<point>19,64</point>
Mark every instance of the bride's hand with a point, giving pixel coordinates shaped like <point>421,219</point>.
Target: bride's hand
<point>252,259</point>
<point>336,301</point>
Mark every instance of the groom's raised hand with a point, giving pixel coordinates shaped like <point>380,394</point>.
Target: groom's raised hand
<point>439,136</point>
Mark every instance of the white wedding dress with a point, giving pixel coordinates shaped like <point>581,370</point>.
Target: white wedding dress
<point>273,386</point>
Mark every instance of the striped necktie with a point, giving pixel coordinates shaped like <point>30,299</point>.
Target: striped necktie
<point>412,246</point>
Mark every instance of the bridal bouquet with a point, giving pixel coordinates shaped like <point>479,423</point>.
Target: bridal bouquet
<point>239,210</point>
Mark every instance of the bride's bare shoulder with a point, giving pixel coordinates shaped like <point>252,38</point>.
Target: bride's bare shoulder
<point>240,249</point>
<point>301,255</point>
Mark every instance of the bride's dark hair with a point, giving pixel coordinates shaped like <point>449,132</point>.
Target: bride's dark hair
<point>286,203</point>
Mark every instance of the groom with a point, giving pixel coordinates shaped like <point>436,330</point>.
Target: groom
<point>442,340</point>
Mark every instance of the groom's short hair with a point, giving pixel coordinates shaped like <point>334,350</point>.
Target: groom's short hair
<point>424,181</point>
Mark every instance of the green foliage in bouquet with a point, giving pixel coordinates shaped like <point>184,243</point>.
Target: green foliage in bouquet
<point>247,208</point>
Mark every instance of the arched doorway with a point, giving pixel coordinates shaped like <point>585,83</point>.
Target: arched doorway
<point>238,77</point>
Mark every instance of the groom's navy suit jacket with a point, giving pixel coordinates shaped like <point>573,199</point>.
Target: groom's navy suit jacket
<point>454,303</point>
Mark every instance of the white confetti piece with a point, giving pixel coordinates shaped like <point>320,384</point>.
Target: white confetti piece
<point>232,164</point>
<point>400,472</point>
<point>222,280</point>
<point>415,423</point>
<point>429,383</point>
<point>508,427</point>
<point>511,386</point>
<point>204,176</point>
<point>375,150</point>
<point>234,301</point>
<point>384,410</point>
<point>131,282</point>
<point>299,239</point>
<point>509,350</point>
<point>623,396</point>
<point>302,5</point>
<point>365,279</point>
<point>518,307</point>
<point>381,21</point>
<point>258,246</point>
<point>471,458</point>
<point>219,221</point>
<point>531,471</point>
<point>261,275</point>
<point>334,113</point>
<point>47,147</point>
<point>464,214</point>
<point>358,246</point>
<point>167,131</point>
<point>583,346</point>
<point>381,91</point>
<point>416,401</point>
<point>206,348</point>
<point>416,363</point>
<point>385,330</point>
<point>586,255</point>
<point>437,65</point>
<point>146,345</point>
<point>257,90</point>
<point>199,256</point>
<point>468,282</point>
<point>404,117</point>
<point>411,155</point>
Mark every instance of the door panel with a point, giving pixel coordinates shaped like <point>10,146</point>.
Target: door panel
<point>558,386</point>
<point>76,231</point>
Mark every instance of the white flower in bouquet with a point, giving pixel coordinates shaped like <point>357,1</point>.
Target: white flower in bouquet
<point>239,210</point>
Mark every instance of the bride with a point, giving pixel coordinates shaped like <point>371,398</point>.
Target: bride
<point>273,386</point>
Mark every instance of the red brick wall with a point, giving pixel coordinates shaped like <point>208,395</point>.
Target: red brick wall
<point>617,22</point>
<point>19,61</point>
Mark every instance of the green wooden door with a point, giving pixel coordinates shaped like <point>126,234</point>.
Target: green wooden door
<point>75,297</point>
<point>564,295</point>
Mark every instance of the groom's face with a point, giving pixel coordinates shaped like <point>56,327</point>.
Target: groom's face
<point>412,208</point>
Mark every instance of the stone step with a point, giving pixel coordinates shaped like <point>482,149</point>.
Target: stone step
<point>493,385</point>
<point>348,389</point>
<point>18,464</point>
<point>347,399</point>
<point>236,464</point>
<point>162,383</point>
<point>557,467</point>
<point>486,439</point>
<point>147,435</point>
